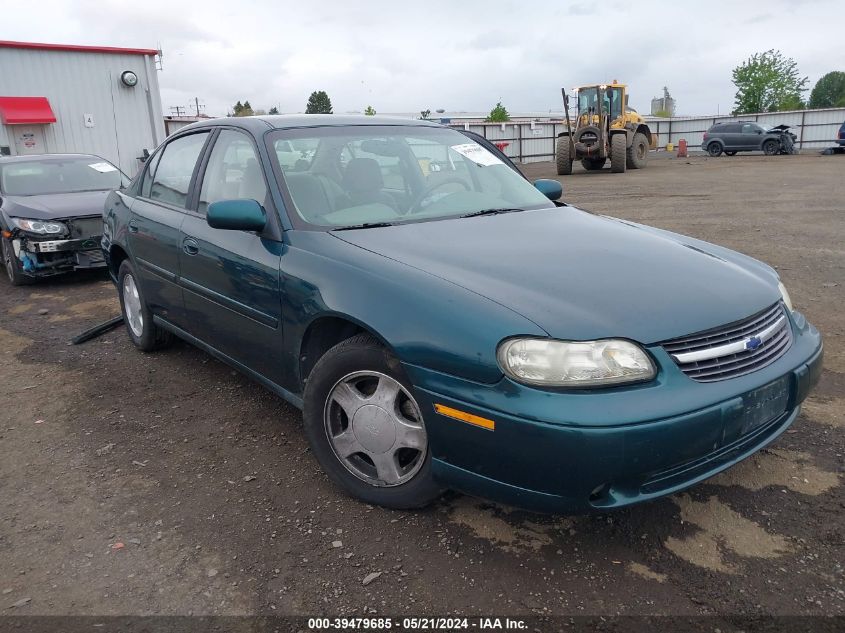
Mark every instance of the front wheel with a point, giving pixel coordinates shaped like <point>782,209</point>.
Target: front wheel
<point>14,271</point>
<point>137,316</point>
<point>771,147</point>
<point>365,426</point>
<point>564,156</point>
<point>618,153</point>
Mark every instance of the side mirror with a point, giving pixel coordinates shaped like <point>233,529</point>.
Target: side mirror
<point>552,189</point>
<point>236,215</point>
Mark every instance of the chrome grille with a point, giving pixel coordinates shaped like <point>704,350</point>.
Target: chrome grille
<point>733,350</point>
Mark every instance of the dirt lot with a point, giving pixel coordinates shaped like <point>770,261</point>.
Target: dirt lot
<point>207,482</point>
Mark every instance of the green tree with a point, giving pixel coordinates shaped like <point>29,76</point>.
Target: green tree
<point>663,113</point>
<point>319,103</point>
<point>829,91</point>
<point>273,110</point>
<point>424,114</point>
<point>768,82</point>
<point>242,109</point>
<point>370,111</point>
<point>499,114</point>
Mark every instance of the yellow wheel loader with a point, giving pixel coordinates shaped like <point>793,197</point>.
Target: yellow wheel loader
<point>605,128</point>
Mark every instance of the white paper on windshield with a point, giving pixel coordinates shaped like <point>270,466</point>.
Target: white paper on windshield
<point>103,168</point>
<point>477,154</point>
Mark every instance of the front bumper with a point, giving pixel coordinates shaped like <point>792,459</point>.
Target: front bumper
<point>43,256</point>
<point>570,452</point>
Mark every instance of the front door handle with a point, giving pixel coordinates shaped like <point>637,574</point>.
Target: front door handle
<point>133,227</point>
<point>190,246</point>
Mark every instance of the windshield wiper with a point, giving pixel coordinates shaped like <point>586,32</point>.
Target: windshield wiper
<point>490,212</point>
<point>366,225</point>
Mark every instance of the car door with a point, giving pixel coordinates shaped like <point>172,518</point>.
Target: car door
<point>156,218</point>
<point>752,136</point>
<point>230,278</point>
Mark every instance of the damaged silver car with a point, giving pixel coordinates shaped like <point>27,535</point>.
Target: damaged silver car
<point>51,213</point>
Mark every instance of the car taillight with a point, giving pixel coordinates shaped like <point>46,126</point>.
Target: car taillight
<point>705,137</point>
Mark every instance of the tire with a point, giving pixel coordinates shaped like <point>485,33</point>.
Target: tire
<point>593,164</point>
<point>137,316</point>
<point>637,154</point>
<point>771,147</point>
<point>730,153</point>
<point>714,149</point>
<point>618,153</point>
<point>564,156</point>
<point>14,270</point>
<point>360,372</point>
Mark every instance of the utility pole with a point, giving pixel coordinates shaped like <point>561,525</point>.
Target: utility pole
<point>198,105</point>
<point>177,110</point>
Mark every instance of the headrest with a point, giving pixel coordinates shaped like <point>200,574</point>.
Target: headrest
<point>362,175</point>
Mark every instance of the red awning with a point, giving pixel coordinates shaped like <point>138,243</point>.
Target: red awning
<point>22,110</point>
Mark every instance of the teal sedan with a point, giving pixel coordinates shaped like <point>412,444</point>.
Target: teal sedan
<point>445,324</point>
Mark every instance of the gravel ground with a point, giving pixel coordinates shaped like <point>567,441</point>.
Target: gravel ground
<point>168,484</point>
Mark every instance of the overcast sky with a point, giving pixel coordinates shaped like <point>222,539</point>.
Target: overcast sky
<point>463,55</point>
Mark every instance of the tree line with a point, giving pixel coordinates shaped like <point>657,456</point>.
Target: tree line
<point>318,103</point>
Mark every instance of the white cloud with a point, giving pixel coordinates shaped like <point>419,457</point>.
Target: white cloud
<point>404,57</point>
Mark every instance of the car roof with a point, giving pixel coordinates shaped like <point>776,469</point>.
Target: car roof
<point>262,123</point>
<point>44,157</point>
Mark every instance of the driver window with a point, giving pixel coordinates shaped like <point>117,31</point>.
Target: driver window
<point>233,172</point>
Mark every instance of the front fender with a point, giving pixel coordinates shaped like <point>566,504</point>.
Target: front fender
<point>426,320</point>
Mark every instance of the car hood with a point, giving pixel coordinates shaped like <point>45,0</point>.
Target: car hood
<point>55,206</point>
<point>580,276</point>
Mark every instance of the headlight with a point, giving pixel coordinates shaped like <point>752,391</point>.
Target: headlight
<point>783,293</point>
<point>38,226</point>
<point>552,363</point>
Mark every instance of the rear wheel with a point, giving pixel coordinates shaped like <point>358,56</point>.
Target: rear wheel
<point>365,426</point>
<point>14,271</point>
<point>593,164</point>
<point>564,156</point>
<point>618,153</point>
<point>771,147</point>
<point>137,316</point>
<point>714,149</point>
<point>638,152</point>
<point>730,153</point>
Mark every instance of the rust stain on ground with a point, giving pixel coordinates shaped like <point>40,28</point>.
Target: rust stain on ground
<point>782,468</point>
<point>720,531</point>
<point>485,523</point>
<point>827,412</point>
<point>645,572</point>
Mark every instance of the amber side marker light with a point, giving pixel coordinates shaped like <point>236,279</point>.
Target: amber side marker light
<point>7,234</point>
<point>463,416</point>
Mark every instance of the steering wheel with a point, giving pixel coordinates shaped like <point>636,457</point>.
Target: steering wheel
<point>415,205</point>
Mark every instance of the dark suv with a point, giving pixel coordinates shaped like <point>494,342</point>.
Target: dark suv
<point>740,136</point>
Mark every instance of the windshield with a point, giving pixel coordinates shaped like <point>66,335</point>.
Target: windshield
<point>356,175</point>
<point>32,178</point>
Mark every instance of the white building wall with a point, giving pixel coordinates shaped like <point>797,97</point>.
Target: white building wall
<point>76,83</point>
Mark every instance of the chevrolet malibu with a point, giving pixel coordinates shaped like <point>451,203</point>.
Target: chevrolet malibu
<point>444,324</point>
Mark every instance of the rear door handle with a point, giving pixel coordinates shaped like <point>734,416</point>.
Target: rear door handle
<point>190,246</point>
